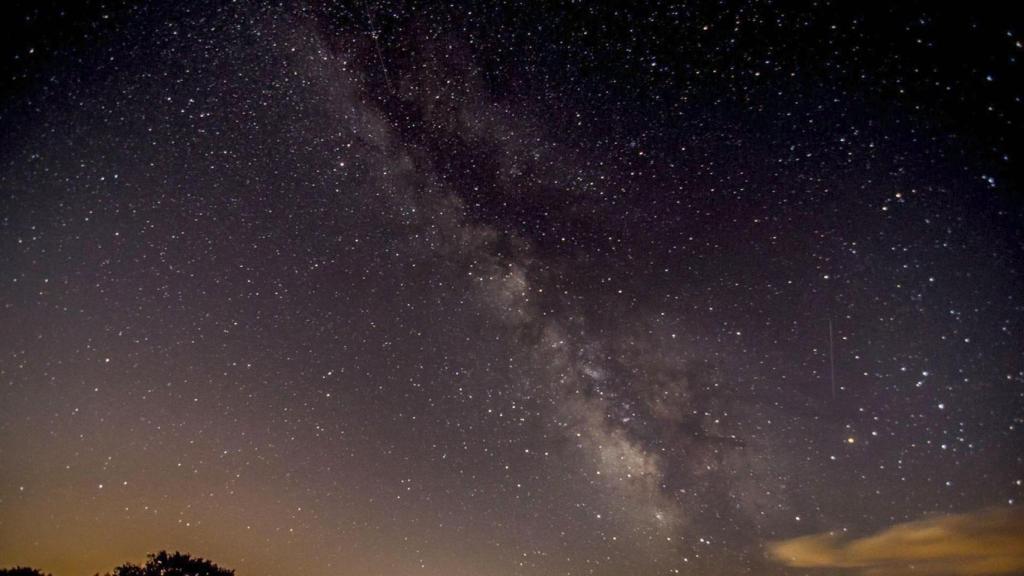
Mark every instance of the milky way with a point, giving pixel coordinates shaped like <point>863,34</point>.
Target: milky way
<point>508,289</point>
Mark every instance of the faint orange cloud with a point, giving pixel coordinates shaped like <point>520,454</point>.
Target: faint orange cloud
<point>981,543</point>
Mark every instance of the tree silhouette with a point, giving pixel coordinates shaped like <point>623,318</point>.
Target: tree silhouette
<point>176,564</point>
<point>21,571</point>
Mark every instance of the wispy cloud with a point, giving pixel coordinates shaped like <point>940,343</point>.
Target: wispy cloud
<point>981,543</point>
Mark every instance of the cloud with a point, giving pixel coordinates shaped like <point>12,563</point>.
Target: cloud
<point>981,543</point>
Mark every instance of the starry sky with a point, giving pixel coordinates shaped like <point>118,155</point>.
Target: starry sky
<point>495,288</point>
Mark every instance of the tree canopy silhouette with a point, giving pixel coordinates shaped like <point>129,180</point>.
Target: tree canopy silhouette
<point>176,564</point>
<point>21,571</point>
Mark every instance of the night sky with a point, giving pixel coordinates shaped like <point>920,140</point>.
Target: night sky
<point>395,288</point>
